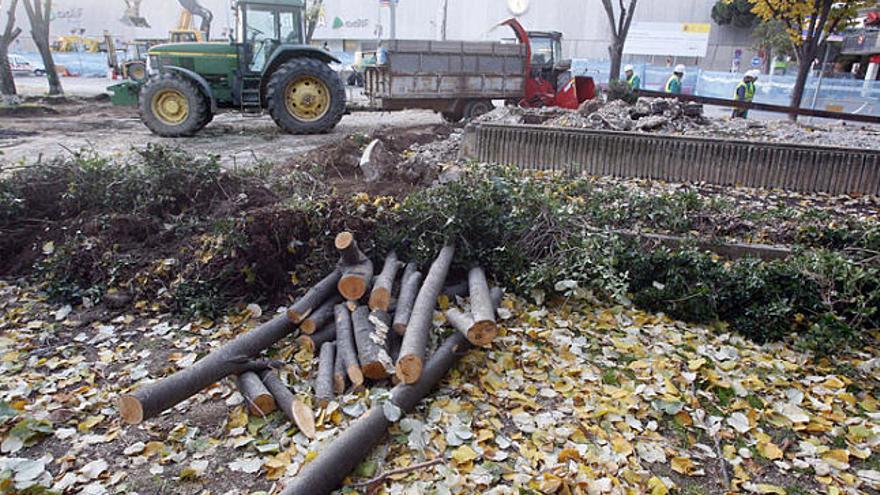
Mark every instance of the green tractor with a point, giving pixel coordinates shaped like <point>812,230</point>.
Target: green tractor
<point>266,67</point>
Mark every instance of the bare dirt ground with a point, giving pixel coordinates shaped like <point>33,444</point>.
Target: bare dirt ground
<point>39,130</point>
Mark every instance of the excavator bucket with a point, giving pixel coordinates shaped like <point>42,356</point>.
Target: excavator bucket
<point>132,15</point>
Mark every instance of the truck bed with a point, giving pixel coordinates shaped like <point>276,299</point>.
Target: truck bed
<point>431,74</point>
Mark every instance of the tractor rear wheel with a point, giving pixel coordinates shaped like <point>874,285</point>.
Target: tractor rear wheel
<point>172,106</point>
<point>306,96</point>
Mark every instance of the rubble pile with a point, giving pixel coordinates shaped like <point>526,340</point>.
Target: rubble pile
<point>783,131</point>
<point>424,162</point>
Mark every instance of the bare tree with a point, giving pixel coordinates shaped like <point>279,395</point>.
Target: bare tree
<point>313,15</point>
<point>10,33</point>
<point>620,23</point>
<point>39,12</point>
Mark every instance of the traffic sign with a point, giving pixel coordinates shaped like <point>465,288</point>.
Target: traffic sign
<point>756,61</point>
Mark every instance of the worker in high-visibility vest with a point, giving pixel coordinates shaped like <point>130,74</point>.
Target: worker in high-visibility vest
<point>745,91</point>
<point>634,81</point>
<point>673,85</point>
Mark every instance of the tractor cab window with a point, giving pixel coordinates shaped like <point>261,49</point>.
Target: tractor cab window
<point>261,31</point>
<point>290,23</point>
<point>545,51</point>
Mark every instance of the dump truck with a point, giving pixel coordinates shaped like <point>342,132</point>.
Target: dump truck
<point>460,79</point>
<point>266,66</point>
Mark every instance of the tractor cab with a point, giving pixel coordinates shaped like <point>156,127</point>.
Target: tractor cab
<point>262,26</point>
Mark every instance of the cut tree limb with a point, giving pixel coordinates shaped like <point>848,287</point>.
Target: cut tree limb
<point>482,308</point>
<point>321,316</point>
<point>346,347</point>
<point>259,401</point>
<point>337,460</point>
<point>293,408</point>
<point>367,346</point>
<point>338,373</point>
<point>324,380</point>
<point>231,359</point>
<point>319,338</point>
<point>380,297</point>
<point>415,340</point>
<point>409,289</point>
<point>479,335</point>
<point>314,297</point>
<point>357,269</point>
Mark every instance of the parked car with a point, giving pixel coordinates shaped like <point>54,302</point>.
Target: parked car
<point>24,67</point>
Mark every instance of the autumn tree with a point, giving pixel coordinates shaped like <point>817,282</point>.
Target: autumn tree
<point>313,16</point>
<point>808,23</point>
<point>736,13</point>
<point>9,34</point>
<point>772,39</point>
<point>39,13</point>
<point>620,18</point>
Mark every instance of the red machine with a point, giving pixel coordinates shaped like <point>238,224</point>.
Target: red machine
<point>549,82</point>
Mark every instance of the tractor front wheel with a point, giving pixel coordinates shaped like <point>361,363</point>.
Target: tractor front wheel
<point>306,96</point>
<point>172,106</point>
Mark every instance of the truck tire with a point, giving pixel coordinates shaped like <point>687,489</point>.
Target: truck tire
<point>172,106</point>
<point>305,96</point>
<point>451,117</point>
<point>475,108</point>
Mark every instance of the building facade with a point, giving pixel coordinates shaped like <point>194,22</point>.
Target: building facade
<point>345,24</point>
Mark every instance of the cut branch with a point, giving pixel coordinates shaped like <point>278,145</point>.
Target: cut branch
<point>338,373</point>
<point>409,289</point>
<point>324,381</point>
<point>259,401</point>
<point>380,297</point>
<point>314,297</point>
<point>482,308</point>
<point>345,347</point>
<point>293,408</point>
<point>367,346</point>
<point>319,338</point>
<point>464,322</point>
<point>357,269</point>
<point>231,359</point>
<point>336,461</point>
<point>415,340</point>
<point>320,317</point>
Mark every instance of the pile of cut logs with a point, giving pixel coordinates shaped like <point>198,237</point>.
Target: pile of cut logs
<point>386,338</point>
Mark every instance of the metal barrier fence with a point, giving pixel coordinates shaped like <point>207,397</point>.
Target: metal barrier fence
<point>676,159</point>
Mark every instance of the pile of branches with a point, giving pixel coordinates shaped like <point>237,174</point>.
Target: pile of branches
<point>364,326</point>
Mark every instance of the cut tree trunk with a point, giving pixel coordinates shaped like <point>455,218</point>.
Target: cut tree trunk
<point>231,359</point>
<point>259,400</point>
<point>380,297</point>
<point>370,344</point>
<point>480,335</point>
<point>324,380</point>
<point>320,317</point>
<point>338,374</point>
<point>482,308</point>
<point>319,338</point>
<point>314,297</point>
<point>293,408</point>
<point>415,340</point>
<point>346,347</point>
<point>409,289</point>
<point>338,459</point>
<point>357,269</point>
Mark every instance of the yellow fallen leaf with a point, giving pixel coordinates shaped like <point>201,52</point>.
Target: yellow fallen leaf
<point>682,465</point>
<point>153,448</point>
<point>765,488</point>
<point>621,446</point>
<point>696,364</point>
<point>89,423</point>
<point>238,418</point>
<point>463,454</point>
<point>657,486</point>
<point>770,451</point>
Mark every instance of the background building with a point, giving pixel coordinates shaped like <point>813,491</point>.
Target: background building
<point>346,23</point>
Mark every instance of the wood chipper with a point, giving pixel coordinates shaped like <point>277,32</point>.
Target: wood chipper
<point>460,79</point>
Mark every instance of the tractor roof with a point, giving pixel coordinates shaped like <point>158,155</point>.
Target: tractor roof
<point>276,3</point>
